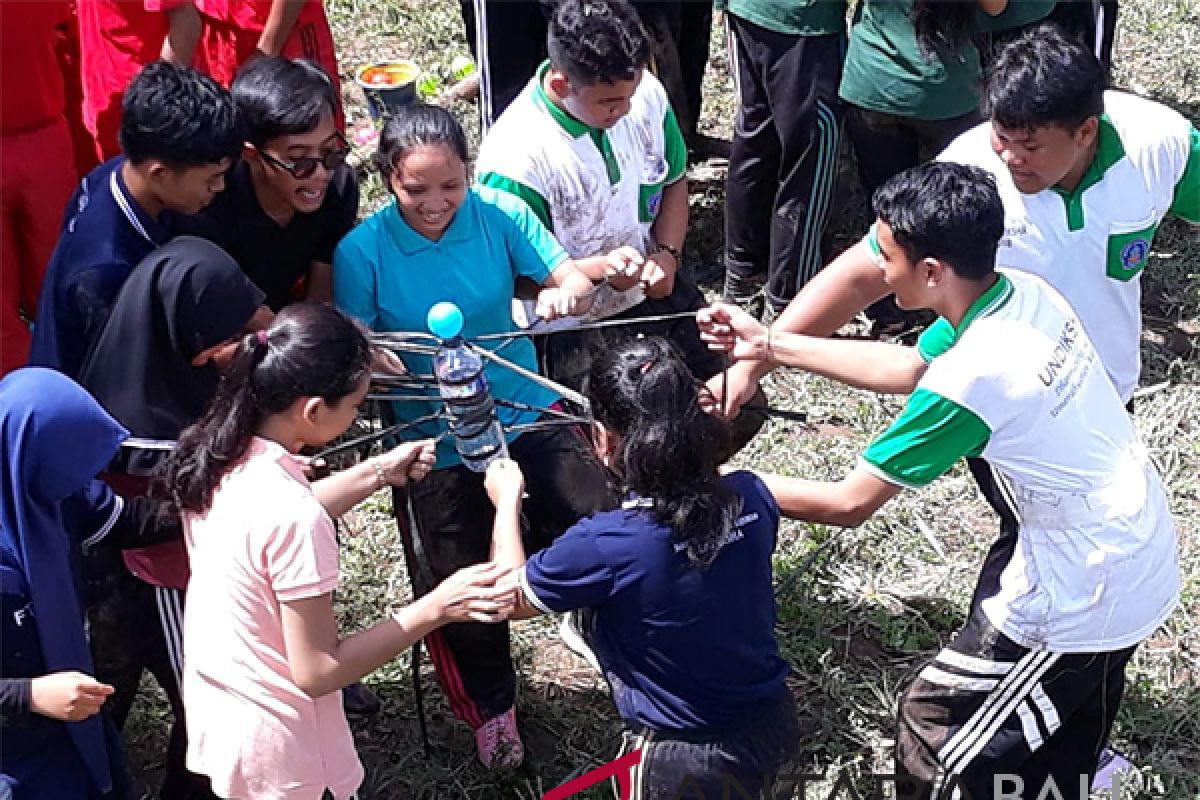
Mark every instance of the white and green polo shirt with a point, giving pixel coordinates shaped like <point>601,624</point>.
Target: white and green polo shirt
<point>595,189</point>
<point>1019,383</point>
<point>1091,244</point>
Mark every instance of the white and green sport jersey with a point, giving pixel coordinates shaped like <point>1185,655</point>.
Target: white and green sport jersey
<point>1019,383</point>
<point>1091,244</point>
<point>595,189</point>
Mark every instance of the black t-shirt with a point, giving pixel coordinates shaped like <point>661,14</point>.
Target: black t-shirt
<point>276,257</point>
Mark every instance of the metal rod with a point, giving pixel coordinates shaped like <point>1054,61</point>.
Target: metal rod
<point>546,383</point>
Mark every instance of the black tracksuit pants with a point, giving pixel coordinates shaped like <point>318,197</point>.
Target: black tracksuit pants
<point>783,163</point>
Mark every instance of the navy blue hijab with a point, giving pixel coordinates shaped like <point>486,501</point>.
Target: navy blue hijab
<point>54,439</point>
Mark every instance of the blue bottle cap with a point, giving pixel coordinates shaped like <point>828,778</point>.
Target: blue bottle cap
<point>445,320</point>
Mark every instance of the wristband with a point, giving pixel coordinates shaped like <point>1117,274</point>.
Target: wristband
<point>659,247</point>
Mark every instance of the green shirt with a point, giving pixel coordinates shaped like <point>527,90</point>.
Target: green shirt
<point>887,71</point>
<point>1017,14</point>
<point>797,17</point>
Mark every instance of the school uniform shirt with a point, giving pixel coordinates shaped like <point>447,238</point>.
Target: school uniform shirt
<point>105,234</point>
<point>886,69</point>
<point>1092,244</point>
<point>388,276</point>
<point>683,648</point>
<point>276,257</point>
<point>265,541</point>
<point>1018,382</point>
<point>795,17</point>
<point>595,189</point>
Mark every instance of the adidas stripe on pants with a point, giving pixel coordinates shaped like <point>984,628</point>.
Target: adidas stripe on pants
<point>987,716</point>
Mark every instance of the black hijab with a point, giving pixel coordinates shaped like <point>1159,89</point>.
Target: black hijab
<point>182,299</point>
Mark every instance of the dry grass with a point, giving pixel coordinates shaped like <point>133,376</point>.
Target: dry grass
<point>858,608</point>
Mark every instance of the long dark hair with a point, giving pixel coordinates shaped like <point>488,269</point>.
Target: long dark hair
<point>669,447</point>
<point>943,24</point>
<point>310,350</point>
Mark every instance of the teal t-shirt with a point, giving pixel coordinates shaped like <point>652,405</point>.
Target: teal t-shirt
<point>797,17</point>
<point>387,275</point>
<point>886,69</point>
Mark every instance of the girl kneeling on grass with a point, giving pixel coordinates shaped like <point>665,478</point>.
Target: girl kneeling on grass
<point>677,582</point>
<point>263,660</point>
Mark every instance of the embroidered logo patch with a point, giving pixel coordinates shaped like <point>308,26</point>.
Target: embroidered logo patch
<point>652,204</point>
<point>1133,254</point>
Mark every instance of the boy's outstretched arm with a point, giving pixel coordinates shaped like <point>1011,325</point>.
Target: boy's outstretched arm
<point>846,503</point>
<point>875,366</point>
<point>850,283</point>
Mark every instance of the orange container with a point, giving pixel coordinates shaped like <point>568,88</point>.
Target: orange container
<point>388,86</point>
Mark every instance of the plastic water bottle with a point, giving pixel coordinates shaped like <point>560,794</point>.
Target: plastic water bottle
<point>463,386</point>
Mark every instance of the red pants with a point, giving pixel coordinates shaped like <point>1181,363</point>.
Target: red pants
<point>224,47</point>
<point>37,176</point>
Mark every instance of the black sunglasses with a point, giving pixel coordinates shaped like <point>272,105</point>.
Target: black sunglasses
<point>305,166</point>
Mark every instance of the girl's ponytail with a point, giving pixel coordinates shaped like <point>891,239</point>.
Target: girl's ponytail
<point>310,350</point>
<point>669,448</point>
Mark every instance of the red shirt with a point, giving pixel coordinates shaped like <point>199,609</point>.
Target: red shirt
<point>31,85</point>
<point>232,29</point>
<point>117,39</point>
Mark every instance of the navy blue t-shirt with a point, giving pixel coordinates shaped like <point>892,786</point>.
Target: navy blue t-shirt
<point>683,648</point>
<point>105,234</point>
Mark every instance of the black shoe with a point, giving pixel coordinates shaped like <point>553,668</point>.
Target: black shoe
<point>702,148</point>
<point>746,291</point>
<point>359,701</point>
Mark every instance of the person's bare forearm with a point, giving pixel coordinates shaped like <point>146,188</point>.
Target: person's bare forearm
<point>346,488</point>
<point>507,548</point>
<point>367,651</point>
<point>570,277</point>
<point>812,501</point>
<point>183,34</point>
<point>846,503</point>
<point>280,21</point>
<point>670,226</point>
<point>876,366</point>
<point>594,267</point>
<point>850,283</point>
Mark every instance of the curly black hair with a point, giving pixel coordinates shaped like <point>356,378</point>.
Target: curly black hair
<point>597,41</point>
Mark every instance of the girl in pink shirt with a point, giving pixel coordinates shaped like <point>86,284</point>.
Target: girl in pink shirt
<point>263,660</point>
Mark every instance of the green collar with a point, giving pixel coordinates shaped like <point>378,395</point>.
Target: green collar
<point>1109,151</point>
<point>988,303</point>
<point>574,128</point>
<point>568,123</point>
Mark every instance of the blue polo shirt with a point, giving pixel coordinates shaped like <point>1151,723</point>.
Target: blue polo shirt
<point>683,648</point>
<point>105,234</point>
<point>388,276</point>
